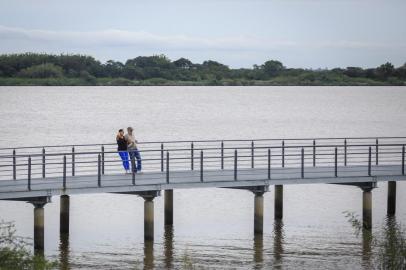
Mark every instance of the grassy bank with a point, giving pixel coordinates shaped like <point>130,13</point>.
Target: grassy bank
<point>309,80</point>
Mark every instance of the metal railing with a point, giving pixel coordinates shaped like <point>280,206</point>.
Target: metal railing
<point>366,156</point>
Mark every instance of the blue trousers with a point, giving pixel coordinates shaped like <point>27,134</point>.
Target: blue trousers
<point>134,153</point>
<point>124,158</point>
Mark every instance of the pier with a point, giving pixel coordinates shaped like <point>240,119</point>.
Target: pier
<point>36,174</point>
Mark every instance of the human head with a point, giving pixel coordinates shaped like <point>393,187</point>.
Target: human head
<point>121,131</point>
<point>130,130</point>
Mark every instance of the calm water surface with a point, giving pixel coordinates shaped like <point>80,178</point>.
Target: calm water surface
<point>213,228</point>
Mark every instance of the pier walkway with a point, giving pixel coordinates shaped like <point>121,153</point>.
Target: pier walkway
<point>35,174</point>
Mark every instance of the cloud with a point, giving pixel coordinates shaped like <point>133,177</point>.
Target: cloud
<point>141,39</point>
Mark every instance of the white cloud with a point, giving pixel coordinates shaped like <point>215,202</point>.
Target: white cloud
<point>141,39</point>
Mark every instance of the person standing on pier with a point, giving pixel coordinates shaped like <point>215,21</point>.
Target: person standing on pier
<point>132,149</point>
<point>122,149</point>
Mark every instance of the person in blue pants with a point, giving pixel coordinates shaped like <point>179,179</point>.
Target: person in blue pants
<point>122,149</point>
<point>132,149</point>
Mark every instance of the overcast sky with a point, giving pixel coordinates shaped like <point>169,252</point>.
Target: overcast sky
<point>239,33</point>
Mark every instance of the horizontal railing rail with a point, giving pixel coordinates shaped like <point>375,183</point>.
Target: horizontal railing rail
<point>290,158</point>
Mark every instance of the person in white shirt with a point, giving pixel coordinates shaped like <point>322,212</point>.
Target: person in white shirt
<point>132,149</point>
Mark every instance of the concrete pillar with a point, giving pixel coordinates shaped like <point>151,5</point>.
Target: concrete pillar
<point>367,208</point>
<point>64,215</point>
<point>278,201</point>
<point>259,212</point>
<point>169,207</point>
<point>391,198</point>
<point>148,218</point>
<point>39,225</point>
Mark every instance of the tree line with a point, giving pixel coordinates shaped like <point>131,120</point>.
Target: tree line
<point>160,69</point>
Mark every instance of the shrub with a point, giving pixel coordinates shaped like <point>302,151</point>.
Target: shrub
<point>42,71</point>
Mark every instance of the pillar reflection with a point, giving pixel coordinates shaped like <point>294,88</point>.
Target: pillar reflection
<point>258,251</point>
<point>64,251</point>
<point>148,254</point>
<point>366,248</point>
<point>278,243</point>
<point>168,246</point>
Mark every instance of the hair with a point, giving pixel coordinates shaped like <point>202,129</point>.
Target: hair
<point>120,130</point>
<point>130,129</point>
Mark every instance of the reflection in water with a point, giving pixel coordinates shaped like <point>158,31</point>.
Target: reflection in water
<point>168,246</point>
<point>278,243</point>
<point>148,254</point>
<point>64,251</point>
<point>366,248</point>
<point>258,251</point>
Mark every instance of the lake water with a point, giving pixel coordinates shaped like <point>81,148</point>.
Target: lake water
<point>213,228</point>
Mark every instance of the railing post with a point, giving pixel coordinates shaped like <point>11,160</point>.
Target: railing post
<point>283,154</point>
<point>235,164</point>
<point>252,154</point>
<point>14,165</point>
<point>29,173</point>
<point>192,156</point>
<point>102,159</point>
<point>314,153</point>
<point>99,170</point>
<point>345,152</point>
<point>403,160</point>
<point>201,166</point>
<point>73,161</point>
<point>167,167</point>
<point>222,155</point>
<point>133,170</point>
<point>162,157</point>
<point>43,162</point>
<point>302,173</point>
<point>64,172</point>
<point>369,161</point>
<point>335,162</point>
<point>269,163</point>
<point>376,152</point>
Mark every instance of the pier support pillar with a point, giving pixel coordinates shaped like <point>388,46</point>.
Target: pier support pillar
<point>367,208</point>
<point>148,218</point>
<point>259,213</point>
<point>39,204</point>
<point>278,202</point>
<point>169,207</point>
<point>39,227</point>
<point>391,198</point>
<point>149,197</point>
<point>64,215</point>
<point>258,207</point>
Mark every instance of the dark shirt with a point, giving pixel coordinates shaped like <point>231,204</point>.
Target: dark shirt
<point>122,144</point>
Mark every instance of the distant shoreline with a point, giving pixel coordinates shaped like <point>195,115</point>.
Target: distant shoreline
<point>33,69</point>
<point>163,82</point>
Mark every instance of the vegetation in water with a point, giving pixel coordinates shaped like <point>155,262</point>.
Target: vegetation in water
<point>14,251</point>
<point>48,69</point>
<point>388,246</point>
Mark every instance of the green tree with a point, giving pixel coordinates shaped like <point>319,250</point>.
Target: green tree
<point>386,70</point>
<point>272,68</point>
<point>354,72</point>
<point>183,63</point>
<point>42,71</point>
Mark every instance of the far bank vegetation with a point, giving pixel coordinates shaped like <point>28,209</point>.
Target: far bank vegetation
<point>48,69</point>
